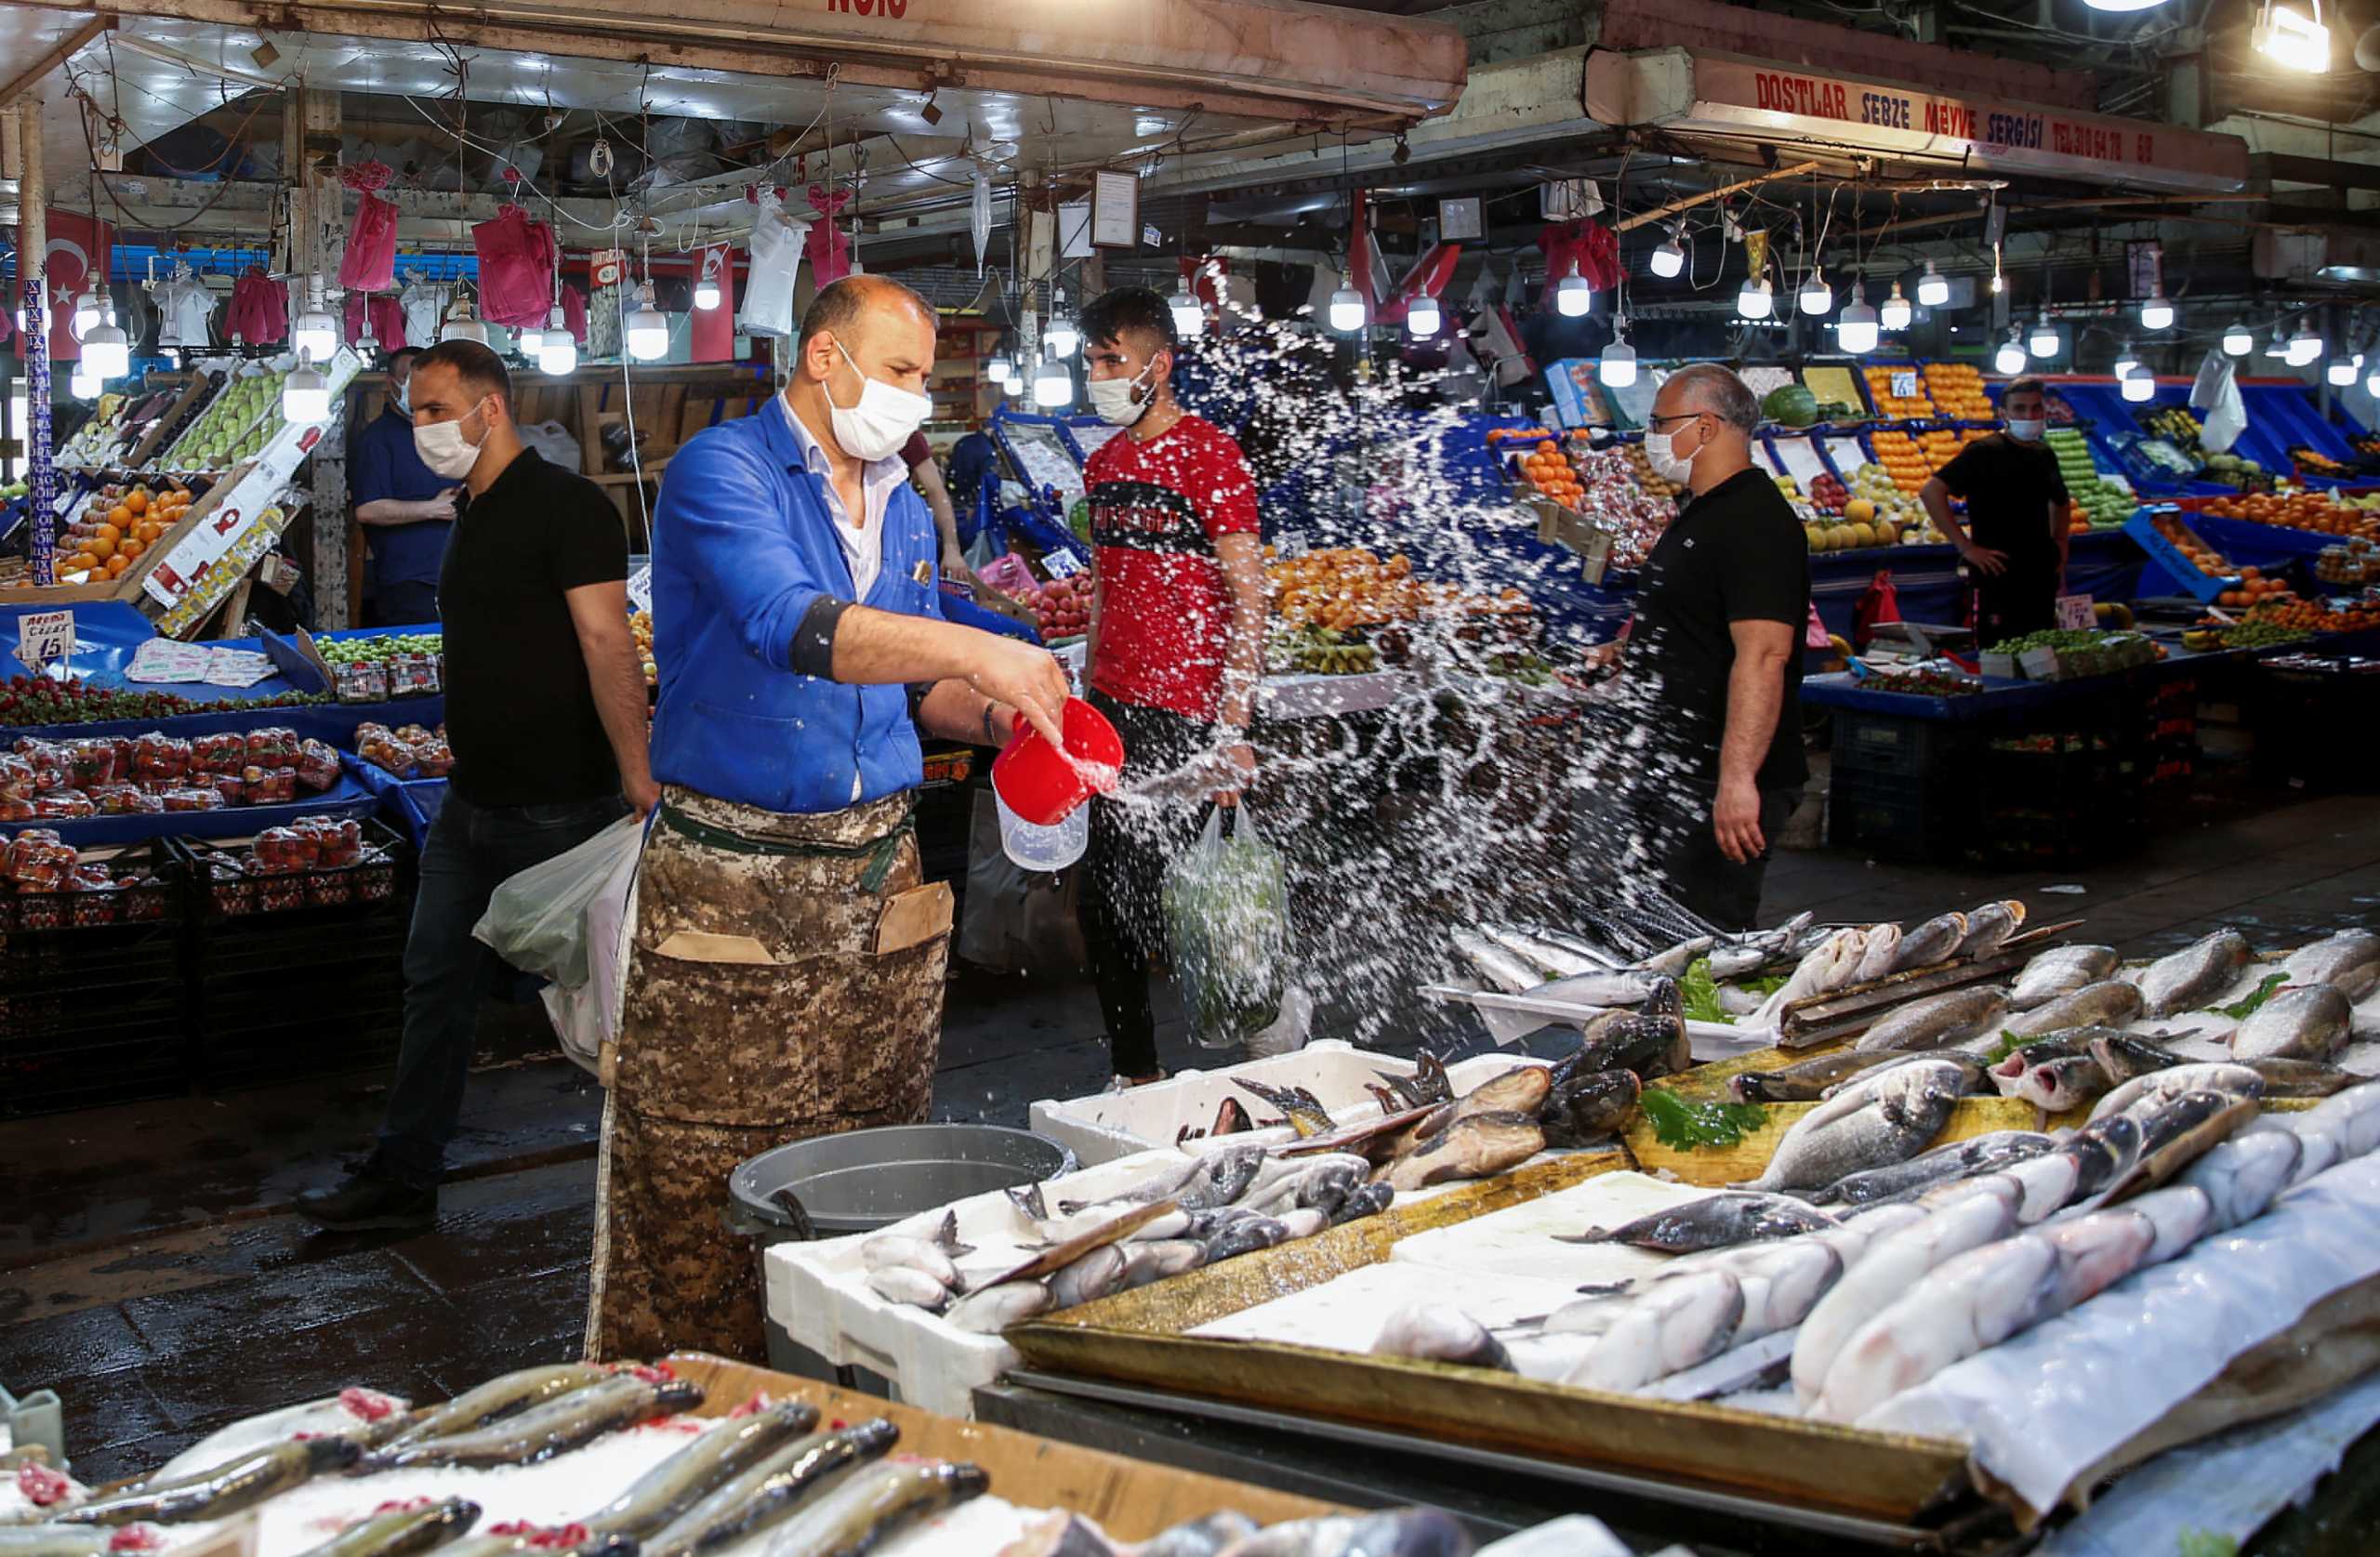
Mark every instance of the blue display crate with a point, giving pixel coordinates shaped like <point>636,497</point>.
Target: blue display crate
<point>2142,528</point>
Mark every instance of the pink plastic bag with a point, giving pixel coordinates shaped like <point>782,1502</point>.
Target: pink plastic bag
<point>259,311</point>
<point>386,316</point>
<point>370,262</point>
<point>517,264</point>
<point>574,312</point>
<point>828,250</point>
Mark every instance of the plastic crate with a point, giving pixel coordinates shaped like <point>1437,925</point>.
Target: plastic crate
<point>1885,746</point>
<point>371,879</point>
<point>158,901</point>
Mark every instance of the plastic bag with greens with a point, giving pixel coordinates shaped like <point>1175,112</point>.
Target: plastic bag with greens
<point>1227,915</point>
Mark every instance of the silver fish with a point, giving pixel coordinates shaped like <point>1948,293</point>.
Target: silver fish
<point>690,1475</point>
<point>1368,1200</point>
<point>1554,962</point>
<point>2143,1093</point>
<point>2124,1057</point>
<point>1440,1333</point>
<point>1673,1326</point>
<point>500,1397</point>
<point>1623,987</point>
<point>773,1490</point>
<point>1805,1080</point>
<point>403,1531</point>
<point>1891,1265</point>
<point>219,1491</point>
<point>1673,962</point>
<point>2108,1003</point>
<point>889,1250</point>
<point>1712,1221</point>
<point>2179,1133</point>
<point>1937,1021</point>
<point>874,1504</point>
<point>2348,961</point>
<point>908,1285</point>
<point>2056,1085</point>
<point>2353,1114</point>
<point>1868,1124</point>
<point>2242,1176</point>
<point>1960,1160</point>
<point>557,1425</point>
<point>1245,1237</point>
<point>1093,1276</point>
<point>2198,972</point>
<point>994,1309</point>
<point>1501,967</point>
<point>1990,927</point>
<point>1165,1184</point>
<point>1878,954</point>
<point>2061,970</point>
<point>1828,965</point>
<point>1754,950</point>
<point>1973,1079</point>
<point>2309,1022</point>
<point>1146,1262</point>
<point>1938,940</point>
<point>1602,956</point>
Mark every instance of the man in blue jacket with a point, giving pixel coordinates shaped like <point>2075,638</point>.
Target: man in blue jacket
<point>787,969</point>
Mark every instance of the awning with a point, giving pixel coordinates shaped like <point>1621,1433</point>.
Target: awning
<point>1691,91</point>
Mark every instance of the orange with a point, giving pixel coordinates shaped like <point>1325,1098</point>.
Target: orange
<point>1548,447</point>
<point>138,501</point>
<point>115,566</point>
<point>82,562</point>
<point>133,548</point>
<point>111,534</point>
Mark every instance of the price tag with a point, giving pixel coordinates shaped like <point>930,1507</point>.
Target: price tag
<point>1061,563</point>
<point>2075,612</point>
<point>1905,384</point>
<point>640,589</point>
<point>43,636</point>
<point>66,501</point>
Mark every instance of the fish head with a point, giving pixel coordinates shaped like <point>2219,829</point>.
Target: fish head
<point>1663,997</point>
<point>2124,1057</point>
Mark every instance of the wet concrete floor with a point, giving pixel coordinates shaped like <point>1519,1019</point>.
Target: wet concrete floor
<point>151,1272</point>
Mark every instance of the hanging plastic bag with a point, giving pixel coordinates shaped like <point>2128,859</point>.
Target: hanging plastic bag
<point>2216,392</point>
<point>829,249</point>
<point>776,259</point>
<point>517,264</point>
<point>369,263</point>
<point>1227,916</point>
<point>536,921</point>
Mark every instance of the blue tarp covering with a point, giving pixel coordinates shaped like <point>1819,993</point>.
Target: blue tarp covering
<point>408,805</point>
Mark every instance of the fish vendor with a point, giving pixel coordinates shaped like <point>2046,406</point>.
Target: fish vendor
<point>786,971</point>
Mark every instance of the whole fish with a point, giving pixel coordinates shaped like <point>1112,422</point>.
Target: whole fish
<point>773,1490</point>
<point>1440,1333</point>
<point>1878,954</point>
<point>1090,1276</point>
<point>1805,1080</point>
<point>1967,1073</point>
<point>2125,1057</point>
<point>1165,1184</point>
<point>1750,952</point>
<point>994,1309</point>
<point>550,1428</point>
<point>1781,1282</point>
<point>2348,961</point>
<point>1891,1266</point>
<point>2158,1088</point>
<point>2198,973</point>
<point>545,1540</point>
<point>1978,1300</point>
<point>1960,1160</point>
<point>1476,1147</point>
<point>2307,1023</point>
<point>2242,1176</point>
<point>1368,1200</point>
<point>1938,940</point>
<point>1590,1108</point>
<point>2005,1074</point>
<point>1553,961</point>
<point>1712,1222</point>
<point>1390,1533</point>
<point>1624,987</point>
<point>219,1491</point>
<point>875,1504</point>
<point>2103,1151</point>
<point>1673,962</point>
<point>1828,965</point>
<point>1220,1179</point>
<point>1302,1108</point>
<point>1602,956</point>
<point>1501,969</point>
<point>2061,970</point>
<point>1671,1326</point>
<point>1868,1124</point>
<point>1245,1237</point>
<point>403,1531</point>
<point>2056,1085</point>
<point>1990,927</point>
<point>1937,1021</point>
<point>1650,1046</point>
<point>690,1475</point>
<point>2179,1133</point>
<point>908,1286</point>
<point>2108,1003</point>
<point>500,1397</point>
<point>1521,1090</point>
<point>933,1256</point>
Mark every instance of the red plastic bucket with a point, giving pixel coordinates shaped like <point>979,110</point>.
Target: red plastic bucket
<point>1043,786</point>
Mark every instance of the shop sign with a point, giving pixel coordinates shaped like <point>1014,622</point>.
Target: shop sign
<point>43,636</point>
<point>1690,89</point>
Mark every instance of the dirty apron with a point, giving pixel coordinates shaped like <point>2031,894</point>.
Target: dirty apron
<point>786,981</point>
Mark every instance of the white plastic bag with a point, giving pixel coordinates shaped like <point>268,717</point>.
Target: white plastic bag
<point>537,920</point>
<point>553,442</point>
<point>2216,392</point>
<point>1227,916</point>
<point>776,256</point>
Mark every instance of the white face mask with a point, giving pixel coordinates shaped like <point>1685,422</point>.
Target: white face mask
<point>1660,452</point>
<point>883,421</point>
<point>2025,432</point>
<point>443,448</point>
<point>1113,399</point>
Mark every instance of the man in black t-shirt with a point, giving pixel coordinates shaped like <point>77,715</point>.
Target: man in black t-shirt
<point>1715,651</point>
<point>545,714</point>
<point>2015,535</point>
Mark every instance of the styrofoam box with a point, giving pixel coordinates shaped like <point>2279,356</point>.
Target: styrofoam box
<point>1108,1125</point>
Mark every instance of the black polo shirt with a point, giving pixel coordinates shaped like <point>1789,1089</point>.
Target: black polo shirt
<point>1735,554</point>
<point>519,714</point>
<point>2009,487</point>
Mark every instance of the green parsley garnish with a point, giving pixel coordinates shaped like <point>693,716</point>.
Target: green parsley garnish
<point>2241,1011</point>
<point>1683,1126</point>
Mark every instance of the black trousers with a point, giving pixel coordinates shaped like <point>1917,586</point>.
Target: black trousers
<point>1123,921</point>
<point>2018,602</point>
<point>1696,874</point>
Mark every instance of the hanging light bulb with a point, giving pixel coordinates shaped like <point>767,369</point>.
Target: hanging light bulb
<point>1189,315</point>
<point>1617,366</point>
<point>2156,314</point>
<point>2139,384</point>
<point>83,384</point>
<point>462,324</point>
<point>2305,345</point>
<point>1817,296</point>
<point>1894,313</point>
<point>1422,317</point>
<point>2010,359</point>
<point>1053,387</point>
<point>315,333</point>
<point>2343,371</point>
<point>86,313</point>
<point>1061,338</point>
<point>2276,348</point>
<point>2371,383</point>
<point>1933,288</point>
<point>2238,340</point>
<point>1001,370</point>
<point>305,394</point>
<point>1855,330</point>
<point>707,285</point>
<point>2043,342</point>
<point>647,332</point>
<point>1757,299</point>
<point>106,353</point>
<point>1346,305</point>
<point>1669,259</point>
<point>556,348</point>
<point>1573,294</point>
<point>529,342</point>
<point>2126,360</point>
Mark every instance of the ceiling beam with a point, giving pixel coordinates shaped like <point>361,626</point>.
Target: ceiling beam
<point>35,73</point>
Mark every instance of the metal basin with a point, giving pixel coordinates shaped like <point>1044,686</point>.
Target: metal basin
<point>863,1179</point>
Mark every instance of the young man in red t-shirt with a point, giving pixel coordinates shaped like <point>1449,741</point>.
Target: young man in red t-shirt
<point>1177,640</point>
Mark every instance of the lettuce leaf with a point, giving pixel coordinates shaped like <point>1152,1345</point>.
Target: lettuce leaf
<point>1683,1126</point>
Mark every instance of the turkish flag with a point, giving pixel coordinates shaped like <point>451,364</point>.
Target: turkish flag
<point>77,251</point>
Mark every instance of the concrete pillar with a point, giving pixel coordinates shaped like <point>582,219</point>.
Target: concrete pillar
<point>310,131</point>
<point>32,294</point>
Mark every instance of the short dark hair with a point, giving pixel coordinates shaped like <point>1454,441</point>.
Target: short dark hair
<point>398,354</point>
<point>1129,310</point>
<point>837,306</point>
<point>2026,386</point>
<point>478,367</point>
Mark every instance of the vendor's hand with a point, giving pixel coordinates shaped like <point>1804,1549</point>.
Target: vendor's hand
<point>442,505</point>
<point>643,793</point>
<point>1025,677</point>
<point>1985,560</point>
<point>954,567</point>
<point>1734,821</point>
<point>1237,763</point>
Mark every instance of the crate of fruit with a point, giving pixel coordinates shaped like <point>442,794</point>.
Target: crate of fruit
<point>2198,568</point>
<point>47,884</point>
<point>316,862</point>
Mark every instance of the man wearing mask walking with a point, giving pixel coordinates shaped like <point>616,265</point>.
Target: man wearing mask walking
<point>2015,539</point>
<point>786,972</point>
<point>1715,651</point>
<point>545,711</point>
<point>406,509</point>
